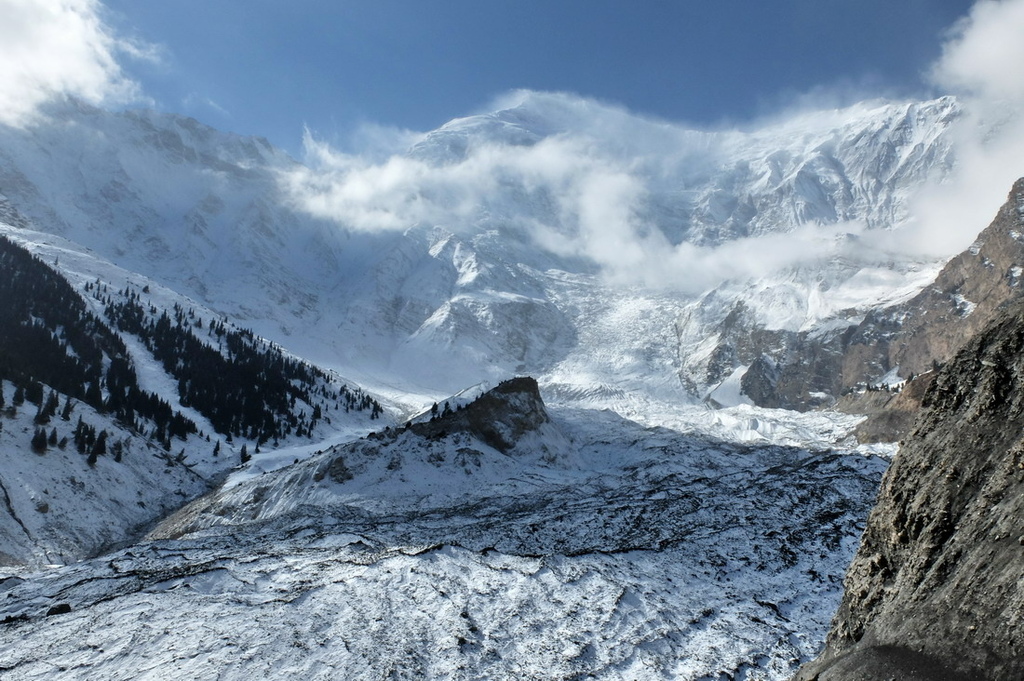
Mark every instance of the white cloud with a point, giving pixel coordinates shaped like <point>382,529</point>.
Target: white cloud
<point>573,196</point>
<point>581,189</point>
<point>983,63</point>
<point>50,48</point>
<point>984,56</point>
<point>195,101</point>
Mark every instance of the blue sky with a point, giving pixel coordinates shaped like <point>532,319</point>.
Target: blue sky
<point>270,68</point>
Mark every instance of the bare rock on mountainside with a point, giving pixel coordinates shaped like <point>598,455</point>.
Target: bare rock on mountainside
<point>798,370</point>
<point>890,415</point>
<point>967,295</point>
<point>935,590</point>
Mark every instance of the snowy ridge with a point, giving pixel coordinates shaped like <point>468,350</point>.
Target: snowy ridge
<point>819,167</point>
<point>57,506</point>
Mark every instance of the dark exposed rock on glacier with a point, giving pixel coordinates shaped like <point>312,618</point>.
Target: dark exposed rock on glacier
<point>498,418</point>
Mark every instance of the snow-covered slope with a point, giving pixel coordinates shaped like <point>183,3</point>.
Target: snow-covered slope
<point>440,551</point>
<point>59,504</point>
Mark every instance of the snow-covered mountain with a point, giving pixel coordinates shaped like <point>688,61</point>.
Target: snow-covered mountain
<point>821,167</point>
<point>648,522</point>
<point>497,243</point>
<point>143,416</point>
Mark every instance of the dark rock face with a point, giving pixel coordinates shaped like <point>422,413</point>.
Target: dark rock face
<point>791,370</point>
<point>499,417</point>
<point>966,296</point>
<point>787,369</point>
<point>925,332</point>
<point>937,582</point>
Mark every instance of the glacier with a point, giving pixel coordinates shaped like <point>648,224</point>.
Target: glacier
<point>621,552</point>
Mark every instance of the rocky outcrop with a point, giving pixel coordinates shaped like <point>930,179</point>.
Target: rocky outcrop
<point>925,332</point>
<point>965,298</point>
<point>809,369</point>
<point>890,413</point>
<point>499,417</point>
<point>935,590</point>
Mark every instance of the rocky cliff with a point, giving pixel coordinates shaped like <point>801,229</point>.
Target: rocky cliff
<point>935,590</point>
<point>965,297</point>
<point>808,369</point>
<point>925,332</point>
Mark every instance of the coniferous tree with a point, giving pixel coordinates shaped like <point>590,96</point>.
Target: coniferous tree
<point>39,441</point>
<point>52,402</point>
<point>100,448</point>
<point>245,454</point>
<point>47,409</point>
<point>34,392</point>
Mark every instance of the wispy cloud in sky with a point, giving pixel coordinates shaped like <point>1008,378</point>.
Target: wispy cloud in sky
<point>983,63</point>
<point>985,54</point>
<point>50,48</point>
<point>195,101</point>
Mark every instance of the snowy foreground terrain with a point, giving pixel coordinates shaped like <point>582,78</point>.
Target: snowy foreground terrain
<point>614,551</point>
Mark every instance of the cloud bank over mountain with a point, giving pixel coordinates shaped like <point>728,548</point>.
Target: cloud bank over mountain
<point>598,182</point>
<point>598,169</point>
<point>983,63</point>
<point>634,196</point>
<point>54,48</point>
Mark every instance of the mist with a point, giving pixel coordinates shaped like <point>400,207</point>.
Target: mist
<point>983,64</point>
<point>590,179</point>
<point>51,49</point>
<point>583,179</point>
